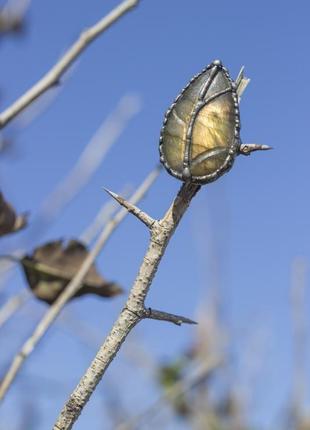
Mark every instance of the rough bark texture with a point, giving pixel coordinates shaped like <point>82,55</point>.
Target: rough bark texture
<point>72,288</point>
<point>134,310</point>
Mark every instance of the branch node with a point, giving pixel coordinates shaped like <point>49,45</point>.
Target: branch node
<point>57,83</point>
<point>138,314</point>
<point>138,213</point>
<point>165,316</point>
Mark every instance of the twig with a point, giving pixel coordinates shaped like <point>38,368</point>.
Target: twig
<point>53,76</point>
<point>12,305</point>
<point>134,310</point>
<point>88,162</point>
<point>15,302</point>
<point>80,174</point>
<point>72,287</point>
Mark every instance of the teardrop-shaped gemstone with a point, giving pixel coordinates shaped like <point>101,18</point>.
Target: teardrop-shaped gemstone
<point>200,131</point>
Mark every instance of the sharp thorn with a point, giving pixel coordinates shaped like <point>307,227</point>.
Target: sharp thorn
<point>247,148</point>
<point>138,213</point>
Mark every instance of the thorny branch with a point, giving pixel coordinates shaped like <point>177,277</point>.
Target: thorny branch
<point>72,287</point>
<point>81,173</point>
<point>15,302</point>
<point>134,311</point>
<point>53,76</point>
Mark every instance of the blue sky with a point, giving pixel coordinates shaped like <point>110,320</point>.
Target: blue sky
<point>241,232</point>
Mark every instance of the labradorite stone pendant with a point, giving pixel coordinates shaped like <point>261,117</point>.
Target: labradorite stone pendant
<point>199,139</point>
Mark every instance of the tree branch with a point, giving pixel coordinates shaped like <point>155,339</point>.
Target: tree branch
<point>53,75</point>
<point>134,310</point>
<point>79,175</point>
<point>72,287</point>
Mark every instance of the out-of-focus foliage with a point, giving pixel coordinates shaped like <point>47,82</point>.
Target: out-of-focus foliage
<point>12,17</point>
<point>51,267</point>
<point>197,383</point>
<point>10,222</point>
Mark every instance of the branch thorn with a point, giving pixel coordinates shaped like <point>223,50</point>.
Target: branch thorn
<point>138,213</point>
<point>165,316</point>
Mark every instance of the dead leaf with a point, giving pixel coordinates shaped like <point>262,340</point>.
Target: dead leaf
<point>52,266</point>
<point>9,221</point>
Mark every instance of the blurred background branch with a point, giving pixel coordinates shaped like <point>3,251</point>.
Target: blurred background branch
<point>73,286</point>
<point>53,76</point>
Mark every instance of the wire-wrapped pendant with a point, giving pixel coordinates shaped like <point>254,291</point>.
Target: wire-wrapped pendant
<point>200,135</point>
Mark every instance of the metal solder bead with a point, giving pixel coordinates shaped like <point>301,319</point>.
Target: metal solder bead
<point>217,62</point>
<point>186,174</point>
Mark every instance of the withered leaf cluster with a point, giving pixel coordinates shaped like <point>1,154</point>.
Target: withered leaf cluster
<point>10,222</point>
<point>10,22</point>
<point>53,265</point>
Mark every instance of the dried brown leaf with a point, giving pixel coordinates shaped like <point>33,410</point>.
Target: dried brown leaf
<point>53,265</point>
<point>9,221</point>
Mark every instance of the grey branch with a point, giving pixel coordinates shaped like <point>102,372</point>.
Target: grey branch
<point>52,77</point>
<point>165,316</point>
<point>134,310</point>
<point>142,216</point>
<point>72,287</point>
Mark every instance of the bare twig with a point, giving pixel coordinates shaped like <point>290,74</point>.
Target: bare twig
<point>134,310</point>
<point>81,173</point>
<point>88,162</point>
<point>54,74</point>
<point>15,302</point>
<point>12,306</point>
<point>72,287</point>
